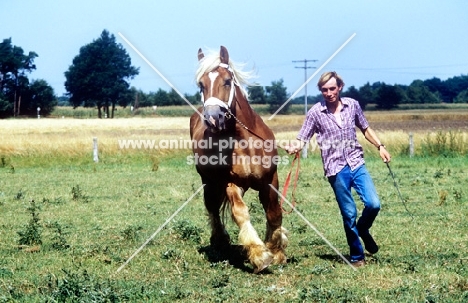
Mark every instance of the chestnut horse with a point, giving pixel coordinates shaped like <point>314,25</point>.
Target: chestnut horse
<point>234,151</point>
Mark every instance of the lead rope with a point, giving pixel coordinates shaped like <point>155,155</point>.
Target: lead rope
<point>398,190</point>
<point>288,181</point>
<point>296,157</point>
<point>288,178</point>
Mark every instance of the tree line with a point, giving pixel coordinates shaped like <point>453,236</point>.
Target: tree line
<point>18,95</point>
<point>99,78</point>
<point>384,96</point>
<point>273,95</point>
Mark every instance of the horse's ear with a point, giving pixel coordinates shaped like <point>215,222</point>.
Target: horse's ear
<point>200,54</point>
<point>224,55</point>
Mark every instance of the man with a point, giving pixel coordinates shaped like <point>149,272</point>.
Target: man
<point>334,120</point>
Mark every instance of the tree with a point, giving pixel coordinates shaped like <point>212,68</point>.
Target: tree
<point>419,93</point>
<point>387,96</point>
<point>256,94</point>
<point>161,98</point>
<point>14,65</point>
<point>462,97</point>
<point>142,99</point>
<point>193,99</point>
<point>455,86</point>
<point>38,94</point>
<point>99,74</point>
<point>276,95</point>
<point>129,97</point>
<point>175,98</point>
<point>367,95</point>
<point>354,93</point>
<point>5,107</point>
<point>436,85</point>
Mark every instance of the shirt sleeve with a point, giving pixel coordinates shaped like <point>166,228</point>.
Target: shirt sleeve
<point>308,128</point>
<point>361,121</point>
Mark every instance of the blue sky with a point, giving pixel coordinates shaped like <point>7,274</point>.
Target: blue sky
<point>396,41</point>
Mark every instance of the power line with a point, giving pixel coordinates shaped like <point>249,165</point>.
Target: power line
<point>305,67</point>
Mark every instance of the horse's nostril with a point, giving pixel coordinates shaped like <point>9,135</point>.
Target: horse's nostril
<point>214,117</point>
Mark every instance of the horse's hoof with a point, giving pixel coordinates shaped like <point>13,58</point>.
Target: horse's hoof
<point>265,261</point>
<point>263,266</point>
<point>280,258</point>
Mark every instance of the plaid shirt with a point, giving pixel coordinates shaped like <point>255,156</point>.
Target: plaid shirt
<point>337,141</point>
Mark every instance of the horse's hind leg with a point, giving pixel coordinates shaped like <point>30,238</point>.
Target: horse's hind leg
<point>258,254</point>
<point>276,236</point>
<point>214,198</point>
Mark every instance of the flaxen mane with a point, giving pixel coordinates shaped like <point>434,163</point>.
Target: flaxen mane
<point>212,61</point>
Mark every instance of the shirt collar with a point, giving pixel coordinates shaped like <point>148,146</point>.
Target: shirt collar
<point>323,105</point>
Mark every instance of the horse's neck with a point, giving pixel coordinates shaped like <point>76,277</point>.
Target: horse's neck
<point>244,112</point>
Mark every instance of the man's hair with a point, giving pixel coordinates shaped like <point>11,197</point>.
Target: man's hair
<point>327,76</point>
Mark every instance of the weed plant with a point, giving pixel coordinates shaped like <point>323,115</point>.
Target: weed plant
<point>444,144</point>
<point>59,241</point>
<point>78,195</point>
<point>32,232</point>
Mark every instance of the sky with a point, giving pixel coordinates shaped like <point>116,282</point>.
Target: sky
<point>395,41</point>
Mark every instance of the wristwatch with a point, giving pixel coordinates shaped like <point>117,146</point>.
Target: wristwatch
<point>380,145</point>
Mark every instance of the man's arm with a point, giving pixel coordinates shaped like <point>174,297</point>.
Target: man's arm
<point>370,135</point>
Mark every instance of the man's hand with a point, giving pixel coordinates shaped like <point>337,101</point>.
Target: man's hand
<point>295,147</point>
<point>384,154</point>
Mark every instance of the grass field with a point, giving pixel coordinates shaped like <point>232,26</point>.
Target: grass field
<point>88,218</point>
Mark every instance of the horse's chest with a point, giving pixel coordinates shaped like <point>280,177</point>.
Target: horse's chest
<point>247,166</point>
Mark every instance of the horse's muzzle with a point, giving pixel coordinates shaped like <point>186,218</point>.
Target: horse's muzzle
<point>215,117</point>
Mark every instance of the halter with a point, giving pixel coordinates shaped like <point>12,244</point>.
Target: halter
<point>216,101</point>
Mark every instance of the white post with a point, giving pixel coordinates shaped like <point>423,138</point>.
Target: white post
<point>304,150</point>
<point>411,145</point>
<point>38,112</point>
<point>95,150</point>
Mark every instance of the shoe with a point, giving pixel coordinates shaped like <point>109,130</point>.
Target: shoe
<point>359,263</point>
<point>369,242</point>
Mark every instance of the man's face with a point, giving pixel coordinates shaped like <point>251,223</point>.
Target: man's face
<point>331,91</point>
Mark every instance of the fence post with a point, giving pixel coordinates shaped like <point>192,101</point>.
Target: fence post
<point>411,145</point>
<point>304,151</point>
<point>95,150</point>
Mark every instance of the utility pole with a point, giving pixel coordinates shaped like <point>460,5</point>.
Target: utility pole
<point>305,67</point>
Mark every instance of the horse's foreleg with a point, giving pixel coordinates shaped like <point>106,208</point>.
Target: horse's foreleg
<point>276,238</point>
<point>258,254</point>
<point>213,200</point>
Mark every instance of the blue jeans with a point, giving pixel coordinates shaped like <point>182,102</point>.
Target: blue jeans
<point>360,180</point>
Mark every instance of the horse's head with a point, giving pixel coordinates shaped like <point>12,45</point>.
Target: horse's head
<point>217,88</point>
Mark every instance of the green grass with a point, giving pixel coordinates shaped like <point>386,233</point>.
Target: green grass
<point>101,213</point>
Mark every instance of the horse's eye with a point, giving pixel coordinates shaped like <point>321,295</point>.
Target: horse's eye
<point>200,85</point>
<point>227,82</point>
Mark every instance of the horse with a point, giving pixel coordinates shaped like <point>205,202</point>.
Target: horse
<point>233,150</point>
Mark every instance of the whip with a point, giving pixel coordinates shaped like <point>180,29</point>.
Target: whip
<point>398,190</point>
